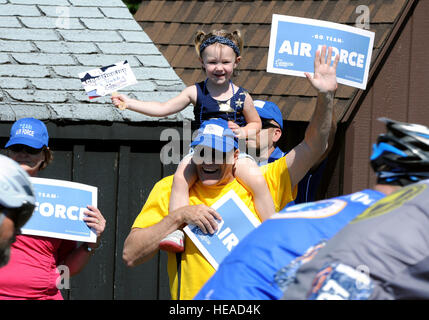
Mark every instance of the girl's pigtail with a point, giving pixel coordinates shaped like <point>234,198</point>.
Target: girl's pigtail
<point>198,40</point>
<point>238,39</point>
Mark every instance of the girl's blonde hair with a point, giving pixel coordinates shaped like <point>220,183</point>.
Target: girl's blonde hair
<point>201,37</point>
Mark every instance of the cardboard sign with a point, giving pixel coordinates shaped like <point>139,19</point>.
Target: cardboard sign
<point>59,210</point>
<point>106,80</point>
<point>294,42</point>
<point>237,222</point>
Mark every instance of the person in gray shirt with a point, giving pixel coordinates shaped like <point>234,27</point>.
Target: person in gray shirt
<point>384,252</point>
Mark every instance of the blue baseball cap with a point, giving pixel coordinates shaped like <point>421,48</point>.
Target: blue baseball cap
<point>216,134</point>
<point>30,132</point>
<point>270,111</point>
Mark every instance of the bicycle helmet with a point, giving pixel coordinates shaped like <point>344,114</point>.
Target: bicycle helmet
<point>17,199</point>
<point>401,155</point>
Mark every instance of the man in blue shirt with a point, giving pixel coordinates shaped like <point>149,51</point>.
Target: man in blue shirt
<point>262,265</point>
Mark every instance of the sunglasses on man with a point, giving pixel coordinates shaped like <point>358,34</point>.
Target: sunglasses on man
<point>267,124</point>
<point>24,148</point>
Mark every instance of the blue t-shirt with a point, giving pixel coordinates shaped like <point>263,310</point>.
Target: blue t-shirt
<point>255,268</point>
<point>208,108</point>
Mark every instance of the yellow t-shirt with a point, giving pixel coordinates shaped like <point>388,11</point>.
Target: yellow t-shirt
<point>195,269</point>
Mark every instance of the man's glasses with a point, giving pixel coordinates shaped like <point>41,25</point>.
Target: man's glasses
<point>19,216</point>
<point>267,124</point>
<point>24,148</point>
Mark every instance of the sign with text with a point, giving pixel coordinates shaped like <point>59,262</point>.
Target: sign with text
<point>106,80</point>
<point>237,222</point>
<point>294,42</point>
<point>59,211</point>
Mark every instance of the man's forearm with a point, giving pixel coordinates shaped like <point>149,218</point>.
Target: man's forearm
<point>319,128</point>
<point>142,243</point>
<point>305,155</point>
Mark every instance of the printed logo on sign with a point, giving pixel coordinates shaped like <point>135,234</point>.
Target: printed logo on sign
<point>283,64</point>
<point>391,202</point>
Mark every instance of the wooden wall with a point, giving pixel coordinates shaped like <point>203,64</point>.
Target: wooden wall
<point>124,169</point>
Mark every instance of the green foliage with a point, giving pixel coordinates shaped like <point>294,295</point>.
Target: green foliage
<point>133,5</point>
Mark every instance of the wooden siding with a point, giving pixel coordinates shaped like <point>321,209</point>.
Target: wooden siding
<point>399,92</point>
<point>124,170</point>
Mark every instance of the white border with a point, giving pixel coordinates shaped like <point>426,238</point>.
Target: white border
<point>273,37</point>
<point>248,214</point>
<point>72,185</point>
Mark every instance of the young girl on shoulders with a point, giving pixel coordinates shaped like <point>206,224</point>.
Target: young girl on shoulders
<point>216,97</point>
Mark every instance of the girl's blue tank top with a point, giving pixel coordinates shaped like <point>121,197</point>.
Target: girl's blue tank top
<point>208,108</point>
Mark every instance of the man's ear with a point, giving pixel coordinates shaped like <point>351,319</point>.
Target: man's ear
<point>277,133</point>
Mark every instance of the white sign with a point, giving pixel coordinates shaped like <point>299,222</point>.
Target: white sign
<point>294,42</point>
<point>106,80</point>
<point>59,211</point>
<point>237,222</point>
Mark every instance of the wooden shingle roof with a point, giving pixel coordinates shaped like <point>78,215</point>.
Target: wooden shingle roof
<point>171,26</point>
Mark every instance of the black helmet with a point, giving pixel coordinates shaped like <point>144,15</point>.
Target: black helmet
<point>401,155</point>
<point>17,198</point>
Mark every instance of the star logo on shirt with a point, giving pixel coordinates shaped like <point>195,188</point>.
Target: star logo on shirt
<point>225,106</point>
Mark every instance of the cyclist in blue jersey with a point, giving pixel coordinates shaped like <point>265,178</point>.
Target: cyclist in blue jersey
<point>384,253</point>
<point>264,264</point>
<point>264,147</point>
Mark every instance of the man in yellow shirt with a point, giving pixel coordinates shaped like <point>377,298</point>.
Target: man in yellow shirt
<point>188,275</point>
